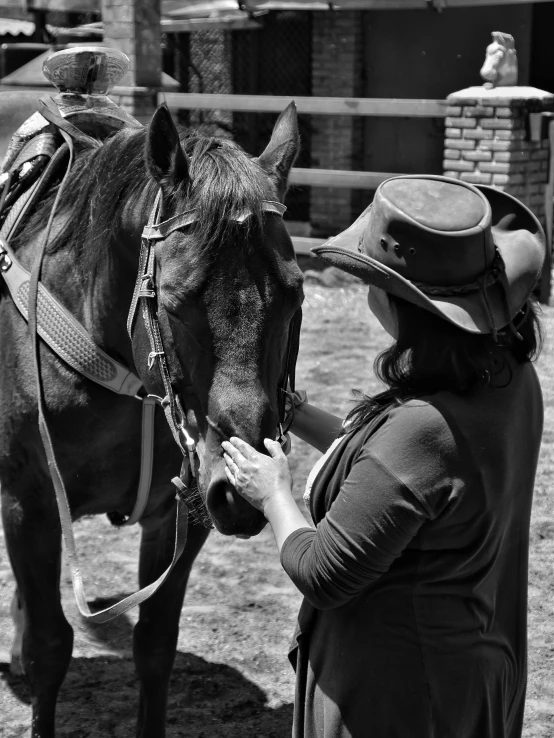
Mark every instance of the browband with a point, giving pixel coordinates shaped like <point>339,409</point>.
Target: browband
<point>159,231</point>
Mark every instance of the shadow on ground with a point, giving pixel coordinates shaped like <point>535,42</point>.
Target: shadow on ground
<point>207,699</point>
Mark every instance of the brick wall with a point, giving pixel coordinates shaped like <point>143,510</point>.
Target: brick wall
<point>487,142</point>
<point>337,140</point>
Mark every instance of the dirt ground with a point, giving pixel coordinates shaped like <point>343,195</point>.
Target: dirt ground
<point>232,677</point>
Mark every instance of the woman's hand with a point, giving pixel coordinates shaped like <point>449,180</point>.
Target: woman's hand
<point>257,477</point>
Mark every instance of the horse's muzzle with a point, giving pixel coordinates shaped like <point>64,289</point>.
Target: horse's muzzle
<point>231,514</point>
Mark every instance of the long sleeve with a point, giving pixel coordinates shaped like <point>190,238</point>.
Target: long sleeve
<point>376,513</point>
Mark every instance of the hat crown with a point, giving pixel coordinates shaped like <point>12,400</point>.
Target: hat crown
<point>430,230</point>
<point>436,204</point>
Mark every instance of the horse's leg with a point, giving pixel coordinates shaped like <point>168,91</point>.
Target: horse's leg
<point>155,635</point>
<point>16,611</point>
<point>33,540</point>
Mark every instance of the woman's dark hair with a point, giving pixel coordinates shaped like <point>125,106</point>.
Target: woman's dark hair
<point>432,354</point>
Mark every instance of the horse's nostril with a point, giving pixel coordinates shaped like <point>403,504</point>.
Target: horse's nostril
<point>231,514</point>
<point>220,494</point>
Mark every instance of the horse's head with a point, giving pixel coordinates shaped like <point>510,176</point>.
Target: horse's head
<point>228,285</point>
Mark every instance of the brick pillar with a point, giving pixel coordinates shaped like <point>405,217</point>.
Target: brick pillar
<point>488,141</point>
<point>133,26</point>
<point>336,139</point>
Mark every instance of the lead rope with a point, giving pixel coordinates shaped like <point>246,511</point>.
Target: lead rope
<point>181,523</point>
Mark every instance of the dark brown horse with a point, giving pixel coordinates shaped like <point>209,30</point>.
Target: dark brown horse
<point>228,286</point>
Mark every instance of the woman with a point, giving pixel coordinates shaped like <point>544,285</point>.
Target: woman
<point>413,623</point>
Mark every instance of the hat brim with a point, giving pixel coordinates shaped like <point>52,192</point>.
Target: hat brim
<point>518,237</point>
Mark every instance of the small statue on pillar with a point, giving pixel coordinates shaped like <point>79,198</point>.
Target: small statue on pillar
<point>500,66</point>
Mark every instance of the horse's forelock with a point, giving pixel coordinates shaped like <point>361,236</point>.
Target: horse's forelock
<point>224,182</point>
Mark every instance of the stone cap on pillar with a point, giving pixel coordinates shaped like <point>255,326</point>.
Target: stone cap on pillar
<point>502,95</point>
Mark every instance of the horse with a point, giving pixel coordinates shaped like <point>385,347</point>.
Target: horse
<point>500,66</point>
<point>228,286</point>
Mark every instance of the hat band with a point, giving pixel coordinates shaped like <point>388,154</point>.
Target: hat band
<point>454,290</point>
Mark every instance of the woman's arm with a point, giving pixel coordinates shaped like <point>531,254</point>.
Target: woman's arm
<point>315,426</point>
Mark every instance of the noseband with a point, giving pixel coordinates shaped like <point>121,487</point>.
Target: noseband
<point>172,404</point>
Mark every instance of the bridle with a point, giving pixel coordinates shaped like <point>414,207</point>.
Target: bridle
<point>145,301</point>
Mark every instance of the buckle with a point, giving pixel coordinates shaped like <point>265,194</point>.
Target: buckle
<point>5,261</point>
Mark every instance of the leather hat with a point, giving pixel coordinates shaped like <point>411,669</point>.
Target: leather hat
<point>470,254</point>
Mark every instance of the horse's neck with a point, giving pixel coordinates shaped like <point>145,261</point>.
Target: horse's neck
<point>109,294</point>
<point>100,298</point>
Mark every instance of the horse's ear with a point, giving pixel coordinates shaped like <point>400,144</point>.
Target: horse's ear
<point>166,161</point>
<point>283,148</point>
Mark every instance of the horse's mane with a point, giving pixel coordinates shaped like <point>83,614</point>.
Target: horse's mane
<point>223,181</point>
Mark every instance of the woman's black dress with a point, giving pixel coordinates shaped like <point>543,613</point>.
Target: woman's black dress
<point>414,622</point>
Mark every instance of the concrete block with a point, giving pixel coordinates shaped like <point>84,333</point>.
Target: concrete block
<point>506,112</point>
<point>512,156</point>
<point>458,166</point>
<point>537,177</point>
<point>478,111</point>
<point>477,155</point>
<point>476,177</point>
<point>492,145</point>
<point>507,124</point>
<point>513,135</point>
<point>461,122</point>
<point>517,190</point>
<point>462,144</point>
<point>517,179</point>
<point>478,134</point>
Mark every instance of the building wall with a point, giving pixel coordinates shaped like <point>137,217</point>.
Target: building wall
<point>426,54</point>
<point>542,53</point>
<point>276,59</point>
<point>337,54</point>
<point>404,54</point>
